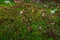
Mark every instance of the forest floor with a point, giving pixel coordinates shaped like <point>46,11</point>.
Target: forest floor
<point>30,21</point>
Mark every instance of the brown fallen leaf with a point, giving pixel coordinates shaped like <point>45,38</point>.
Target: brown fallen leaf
<point>29,28</point>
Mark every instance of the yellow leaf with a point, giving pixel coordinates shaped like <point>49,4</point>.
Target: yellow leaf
<point>33,10</point>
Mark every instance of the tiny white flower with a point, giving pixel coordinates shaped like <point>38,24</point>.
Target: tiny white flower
<point>53,11</point>
<point>7,2</point>
<point>52,23</point>
<point>30,19</point>
<point>45,5</point>
<point>21,12</point>
<point>43,14</point>
<point>37,1</point>
<point>40,27</point>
